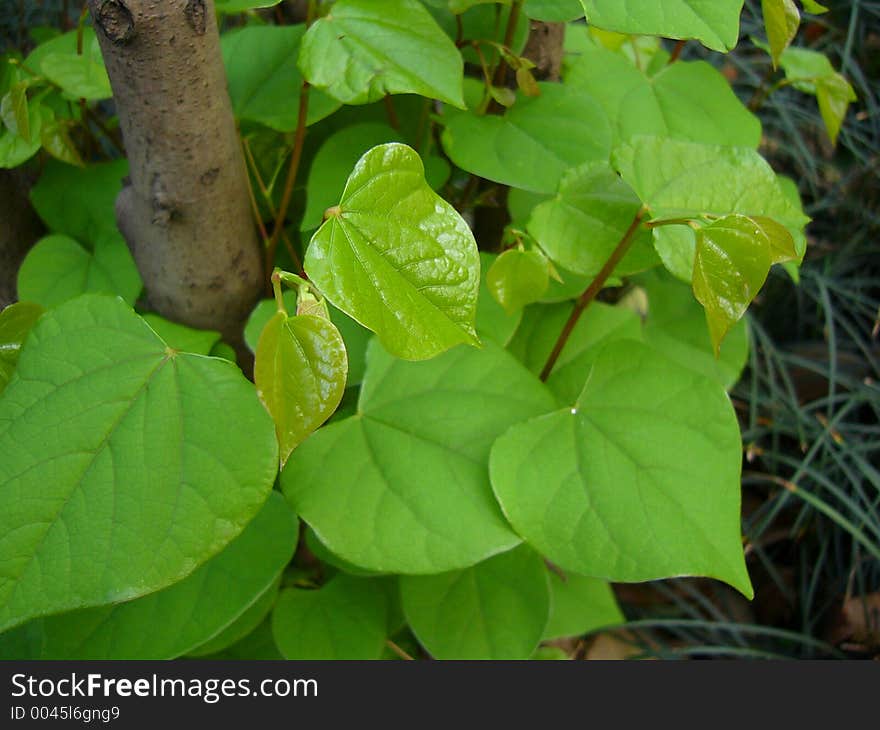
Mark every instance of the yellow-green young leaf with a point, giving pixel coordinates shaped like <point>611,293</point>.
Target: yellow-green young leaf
<point>493,322</point>
<point>834,94</point>
<point>518,278</point>
<point>16,321</point>
<point>715,23</point>
<point>56,140</point>
<point>80,76</point>
<point>527,83</point>
<point>731,264</point>
<point>495,610</point>
<point>365,49</point>
<point>14,111</point>
<point>300,373</point>
<point>811,6</point>
<point>782,244</point>
<point>638,479</point>
<point>781,19</point>
<point>397,258</point>
<point>15,149</point>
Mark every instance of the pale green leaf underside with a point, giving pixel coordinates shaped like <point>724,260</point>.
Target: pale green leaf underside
<point>398,258</point>
<point>412,463</point>
<point>124,467</point>
<point>171,622</point>
<point>715,23</point>
<point>344,619</point>
<point>640,480</point>
<point>535,142</point>
<point>496,609</point>
<point>57,269</point>
<point>365,49</point>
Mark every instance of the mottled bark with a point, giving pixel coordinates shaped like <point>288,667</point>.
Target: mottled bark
<point>19,229</point>
<point>545,49</point>
<point>184,211</point>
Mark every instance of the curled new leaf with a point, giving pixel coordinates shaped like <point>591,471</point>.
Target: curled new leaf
<point>300,373</point>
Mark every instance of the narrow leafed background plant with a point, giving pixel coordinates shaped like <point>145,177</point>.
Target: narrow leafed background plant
<point>505,252</point>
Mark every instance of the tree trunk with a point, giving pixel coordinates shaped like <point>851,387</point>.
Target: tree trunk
<point>184,211</point>
<point>19,230</point>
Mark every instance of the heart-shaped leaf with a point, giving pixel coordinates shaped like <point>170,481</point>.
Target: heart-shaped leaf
<point>730,267</point>
<point>126,464</point>
<point>344,619</point>
<point>170,622</point>
<point>398,258</point>
<point>495,610</point>
<point>715,23</point>
<point>263,78</point>
<point>534,143</point>
<point>580,228</point>
<point>365,49</point>
<point>57,268</point>
<point>518,278</point>
<point>639,480</point>
<point>300,373</point>
<point>412,462</point>
<point>782,20</point>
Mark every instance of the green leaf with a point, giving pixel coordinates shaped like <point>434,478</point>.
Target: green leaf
<point>83,77</point>
<point>553,11</point>
<point>460,6</point>
<point>263,78</point>
<point>690,101</point>
<point>781,20</point>
<point>323,553</point>
<point>534,143</point>
<point>299,372</point>
<point>16,321</point>
<point>398,258</point>
<point>15,149</point>
<point>730,267</point>
<point>598,325</point>
<point>181,337</point>
<point>715,23</point>
<point>579,605</point>
<point>639,480</point>
<point>230,7</point>
<point>812,72</point>
<point>580,228</point>
<point>57,268</point>
<point>259,644</point>
<point>675,325</point>
<point>14,111</point>
<point>79,202</point>
<point>255,615</point>
<point>811,6</point>
<point>156,461</point>
<point>493,322</point>
<point>56,140</point>
<point>518,278</point>
<point>686,180</point>
<point>171,622</point>
<point>834,94</point>
<point>495,610</point>
<point>676,246</point>
<point>365,49</point>
<point>334,161</point>
<point>344,619</point>
<point>412,462</point>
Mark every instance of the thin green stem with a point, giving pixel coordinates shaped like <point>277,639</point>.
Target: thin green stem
<point>276,291</point>
<point>592,290</point>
